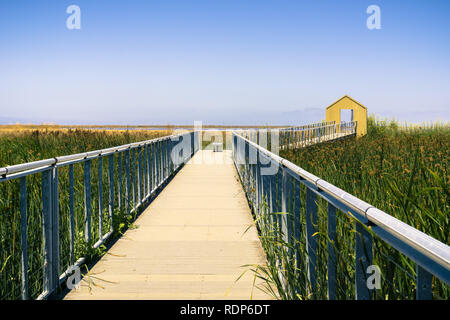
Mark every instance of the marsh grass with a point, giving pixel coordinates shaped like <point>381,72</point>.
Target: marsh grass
<point>400,170</point>
<point>30,145</point>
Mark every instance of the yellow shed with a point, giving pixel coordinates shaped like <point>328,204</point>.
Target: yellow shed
<point>351,108</point>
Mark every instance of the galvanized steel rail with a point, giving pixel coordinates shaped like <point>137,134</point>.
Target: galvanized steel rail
<point>432,258</point>
<point>302,136</point>
<point>154,166</point>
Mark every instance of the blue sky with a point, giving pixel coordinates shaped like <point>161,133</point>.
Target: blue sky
<point>223,62</point>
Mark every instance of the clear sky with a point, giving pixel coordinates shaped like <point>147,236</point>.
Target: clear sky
<point>223,62</point>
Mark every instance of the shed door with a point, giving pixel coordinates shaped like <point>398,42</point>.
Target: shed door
<point>346,115</point>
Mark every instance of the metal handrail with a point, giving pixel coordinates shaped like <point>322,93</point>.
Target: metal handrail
<point>67,159</point>
<point>431,256</point>
<point>303,136</point>
<point>308,126</point>
<point>145,171</point>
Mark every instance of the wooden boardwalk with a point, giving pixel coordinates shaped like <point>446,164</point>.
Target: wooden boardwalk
<point>190,242</point>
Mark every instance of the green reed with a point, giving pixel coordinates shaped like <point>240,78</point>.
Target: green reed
<point>402,171</point>
<point>26,145</point>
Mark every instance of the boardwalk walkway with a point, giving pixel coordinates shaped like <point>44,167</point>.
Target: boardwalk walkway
<point>189,244</point>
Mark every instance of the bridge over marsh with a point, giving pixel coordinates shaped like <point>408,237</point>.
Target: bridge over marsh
<point>204,220</point>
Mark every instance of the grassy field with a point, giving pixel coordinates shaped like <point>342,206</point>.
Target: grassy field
<point>402,171</point>
<point>21,145</point>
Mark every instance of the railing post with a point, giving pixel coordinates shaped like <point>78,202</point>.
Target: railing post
<point>331,265</point>
<point>290,211</point>
<point>273,199</point>
<point>297,226</point>
<point>265,198</point>
<point>128,182</point>
<point>363,254</point>
<point>23,232</point>
<point>157,164</point>
<point>111,191</point>
<point>311,243</point>
<point>47,228</point>
<point>100,197</point>
<point>119,196</point>
<point>139,176</point>
<point>134,176</point>
<point>87,200</point>
<point>423,284</point>
<point>160,160</point>
<point>144,171</point>
<point>166,159</point>
<point>284,205</point>
<point>279,202</point>
<point>55,225</point>
<point>149,171</point>
<point>152,169</point>
<point>258,183</point>
<point>72,216</point>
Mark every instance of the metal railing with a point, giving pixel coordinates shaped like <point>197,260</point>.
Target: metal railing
<point>134,173</point>
<point>309,126</point>
<point>302,136</point>
<point>273,184</point>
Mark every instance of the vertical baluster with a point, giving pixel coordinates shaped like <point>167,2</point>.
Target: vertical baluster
<point>363,255</point>
<point>163,159</point>
<point>311,242</point>
<point>331,264</point>
<point>273,198</point>
<point>168,157</point>
<point>119,197</point>
<point>279,202</point>
<point>87,200</point>
<point>134,176</point>
<point>297,226</point>
<point>290,210</point>
<point>152,164</point>
<point>423,284</point>
<point>260,185</point>
<point>264,196</point>
<point>144,171</point>
<point>47,230</point>
<point>156,160</point>
<point>128,182</point>
<point>159,163</point>
<point>55,226</point>
<point>100,197</point>
<point>72,216</point>
<point>149,171</point>
<point>139,176</point>
<point>23,232</point>
<point>111,191</point>
<point>284,205</point>
<point>165,166</point>
<point>257,185</point>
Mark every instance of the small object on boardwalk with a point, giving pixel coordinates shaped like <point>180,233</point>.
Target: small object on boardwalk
<point>217,146</point>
